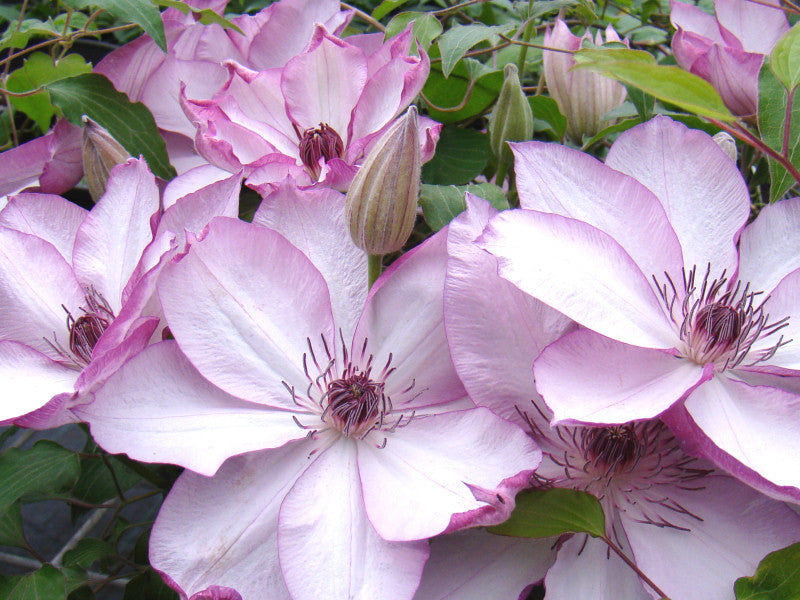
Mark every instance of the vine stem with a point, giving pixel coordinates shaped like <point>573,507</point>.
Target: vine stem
<point>363,16</point>
<point>633,566</point>
<point>374,266</point>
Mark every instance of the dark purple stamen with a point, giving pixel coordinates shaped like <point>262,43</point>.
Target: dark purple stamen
<point>320,142</point>
<point>614,447</point>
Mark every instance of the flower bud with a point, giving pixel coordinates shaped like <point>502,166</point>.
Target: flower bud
<point>583,97</point>
<point>382,199</point>
<point>727,143</point>
<point>512,117</point>
<point>101,153</point>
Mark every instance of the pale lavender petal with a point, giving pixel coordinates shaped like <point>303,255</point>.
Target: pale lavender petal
<point>411,292</point>
<point>581,272</point>
<point>757,26</point>
<point>586,568</point>
<point>691,53</point>
<point>190,181</point>
<point>477,565</point>
<point>783,303</point>
<point>729,528</point>
<point>181,152</point>
<point>433,469</point>
<point>37,285</point>
<point>278,167</point>
<point>757,425</point>
<point>328,548</point>
<point>114,234</point>
<point>247,329</point>
<point>705,197</point>
<point>691,18</point>
<point>216,592</point>
<point>556,179</point>
<point>49,217</point>
<point>313,220</point>
<point>506,324</point>
<point>30,379</point>
<point>734,74</point>
<point>587,378</point>
<point>238,547</point>
<point>158,408</point>
<point>323,84</point>
<point>337,174</point>
<point>130,67</point>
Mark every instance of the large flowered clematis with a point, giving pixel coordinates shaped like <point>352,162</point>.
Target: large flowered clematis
<point>689,528</point>
<point>316,117</point>
<point>324,448</point>
<point>195,56</point>
<point>77,293</point>
<point>728,50</point>
<point>643,252</point>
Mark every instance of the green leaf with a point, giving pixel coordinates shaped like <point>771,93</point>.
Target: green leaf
<point>426,27</point>
<point>547,117</point>
<point>131,124</point>
<point>543,513</point>
<point>205,15</point>
<point>458,40</point>
<point>38,70</point>
<point>86,552</point>
<point>540,8</point>
<point>777,577</point>
<point>18,38</point>
<point>667,83</point>
<point>471,83</point>
<point>385,7</point>
<point>785,58</point>
<point>148,585</point>
<point>142,12</point>
<point>644,103</point>
<point>461,155</point>
<point>9,13</point>
<point>442,203</point>
<point>45,584</point>
<point>44,468</point>
<point>611,129</point>
<point>11,531</point>
<point>95,484</point>
<point>772,103</point>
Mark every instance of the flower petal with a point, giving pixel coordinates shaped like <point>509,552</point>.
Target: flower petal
<point>49,217</point>
<point>328,548</point>
<point>431,469</point>
<point>756,24</point>
<point>783,303</point>
<point>587,378</point>
<point>734,74</point>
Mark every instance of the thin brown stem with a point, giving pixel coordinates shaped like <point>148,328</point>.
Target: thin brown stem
<point>633,566</point>
<point>477,52</point>
<point>532,45</point>
<point>364,16</point>
<point>456,7</point>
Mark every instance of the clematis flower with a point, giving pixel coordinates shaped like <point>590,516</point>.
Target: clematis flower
<point>728,50</point>
<point>691,529</point>
<point>643,252</point>
<point>319,462</point>
<point>314,127</point>
<point>196,52</point>
<point>583,97</point>
<point>76,295</point>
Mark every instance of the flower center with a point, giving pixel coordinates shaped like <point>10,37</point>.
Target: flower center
<point>612,448</point>
<point>718,321</point>
<point>355,401</point>
<point>86,330</point>
<point>320,142</point>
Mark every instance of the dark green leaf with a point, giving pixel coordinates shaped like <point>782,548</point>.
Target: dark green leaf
<point>643,102</point>
<point>205,15</point>
<point>785,58</point>
<point>458,40</point>
<point>426,27</point>
<point>777,577</point>
<point>148,585</point>
<point>44,468</point>
<point>86,552</point>
<point>74,577</point>
<point>385,7</point>
<point>546,7</point>
<point>442,203</point>
<point>543,513</point>
<point>38,70</point>
<point>81,593</point>
<point>11,532</point>
<point>18,38</point>
<point>471,89</point>
<point>142,12</point>
<point>461,155</point>
<point>131,124</point>
<point>667,83</point>
<point>611,129</point>
<point>96,485</point>
<point>547,117</point>
<point>45,584</point>
<point>772,101</point>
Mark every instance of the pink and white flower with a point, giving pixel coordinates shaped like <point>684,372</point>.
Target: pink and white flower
<point>643,252</point>
<point>689,528</point>
<point>728,50</point>
<point>323,448</point>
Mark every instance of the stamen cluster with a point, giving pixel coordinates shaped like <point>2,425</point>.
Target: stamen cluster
<point>320,142</point>
<point>85,330</point>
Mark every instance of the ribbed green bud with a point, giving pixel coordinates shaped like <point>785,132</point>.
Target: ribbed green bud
<point>512,118</point>
<point>382,199</point>
<point>101,153</point>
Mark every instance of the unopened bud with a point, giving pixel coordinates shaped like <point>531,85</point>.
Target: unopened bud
<point>101,153</point>
<point>512,118</point>
<point>382,199</point>
<point>727,143</point>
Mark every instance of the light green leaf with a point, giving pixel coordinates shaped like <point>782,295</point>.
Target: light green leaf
<point>8,13</point>
<point>426,27</point>
<point>543,513</point>
<point>785,58</point>
<point>667,83</point>
<point>130,123</point>
<point>772,102</point>
<point>385,7</point>
<point>45,584</point>
<point>547,117</point>
<point>442,203</point>
<point>142,12</point>
<point>458,40</point>
<point>18,38</point>
<point>471,89</point>
<point>461,155</point>
<point>205,15</point>
<point>38,70</point>
<point>44,468</point>
<point>777,577</point>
